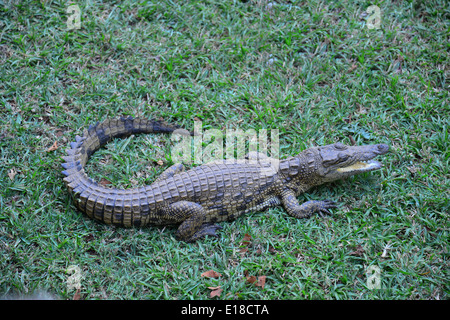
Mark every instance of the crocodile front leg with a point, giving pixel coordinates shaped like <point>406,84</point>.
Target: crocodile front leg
<point>305,210</point>
<point>193,221</point>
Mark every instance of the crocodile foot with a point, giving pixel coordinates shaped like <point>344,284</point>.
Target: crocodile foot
<point>324,205</point>
<point>207,229</point>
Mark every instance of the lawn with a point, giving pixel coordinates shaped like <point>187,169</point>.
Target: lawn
<point>314,70</point>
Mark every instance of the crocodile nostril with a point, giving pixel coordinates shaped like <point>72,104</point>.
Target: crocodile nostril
<point>383,148</point>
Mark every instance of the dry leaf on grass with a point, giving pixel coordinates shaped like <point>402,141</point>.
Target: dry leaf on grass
<point>211,274</point>
<point>261,281</point>
<point>247,240</point>
<point>251,279</point>
<point>104,182</point>
<point>243,250</point>
<point>77,295</point>
<point>53,147</point>
<point>216,291</point>
<point>244,244</point>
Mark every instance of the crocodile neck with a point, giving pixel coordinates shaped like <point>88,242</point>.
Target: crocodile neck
<point>299,173</point>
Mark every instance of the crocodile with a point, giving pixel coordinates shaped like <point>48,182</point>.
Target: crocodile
<point>221,190</point>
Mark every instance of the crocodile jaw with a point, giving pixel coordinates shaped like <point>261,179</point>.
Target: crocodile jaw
<point>338,161</point>
<point>361,166</point>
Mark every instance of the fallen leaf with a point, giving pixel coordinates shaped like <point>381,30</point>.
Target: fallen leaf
<point>53,147</point>
<point>211,274</point>
<point>251,279</point>
<point>12,173</point>
<point>104,182</point>
<point>160,162</point>
<point>216,291</point>
<point>77,295</point>
<point>261,281</point>
<point>243,250</point>
<point>247,240</point>
<point>272,250</point>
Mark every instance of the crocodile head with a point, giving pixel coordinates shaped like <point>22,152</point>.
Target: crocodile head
<point>340,161</point>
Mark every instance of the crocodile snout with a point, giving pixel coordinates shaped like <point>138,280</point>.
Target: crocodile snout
<point>382,148</point>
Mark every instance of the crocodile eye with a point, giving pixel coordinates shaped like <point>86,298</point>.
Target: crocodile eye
<point>340,146</point>
<point>344,157</point>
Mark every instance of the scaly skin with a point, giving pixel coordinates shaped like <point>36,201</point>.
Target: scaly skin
<point>210,193</point>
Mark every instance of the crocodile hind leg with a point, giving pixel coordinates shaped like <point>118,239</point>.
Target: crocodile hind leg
<point>305,210</point>
<point>193,221</point>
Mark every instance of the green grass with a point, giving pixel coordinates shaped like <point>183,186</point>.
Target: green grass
<point>311,69</point>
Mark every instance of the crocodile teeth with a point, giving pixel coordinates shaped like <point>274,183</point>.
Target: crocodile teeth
<point>361,166</point>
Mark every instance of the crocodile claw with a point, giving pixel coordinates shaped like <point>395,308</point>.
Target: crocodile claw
<point>210,230</point>
<point>325,205</point>
<point>205,230</point>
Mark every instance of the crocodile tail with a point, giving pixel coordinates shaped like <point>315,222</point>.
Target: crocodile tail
<point>125,207</point>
